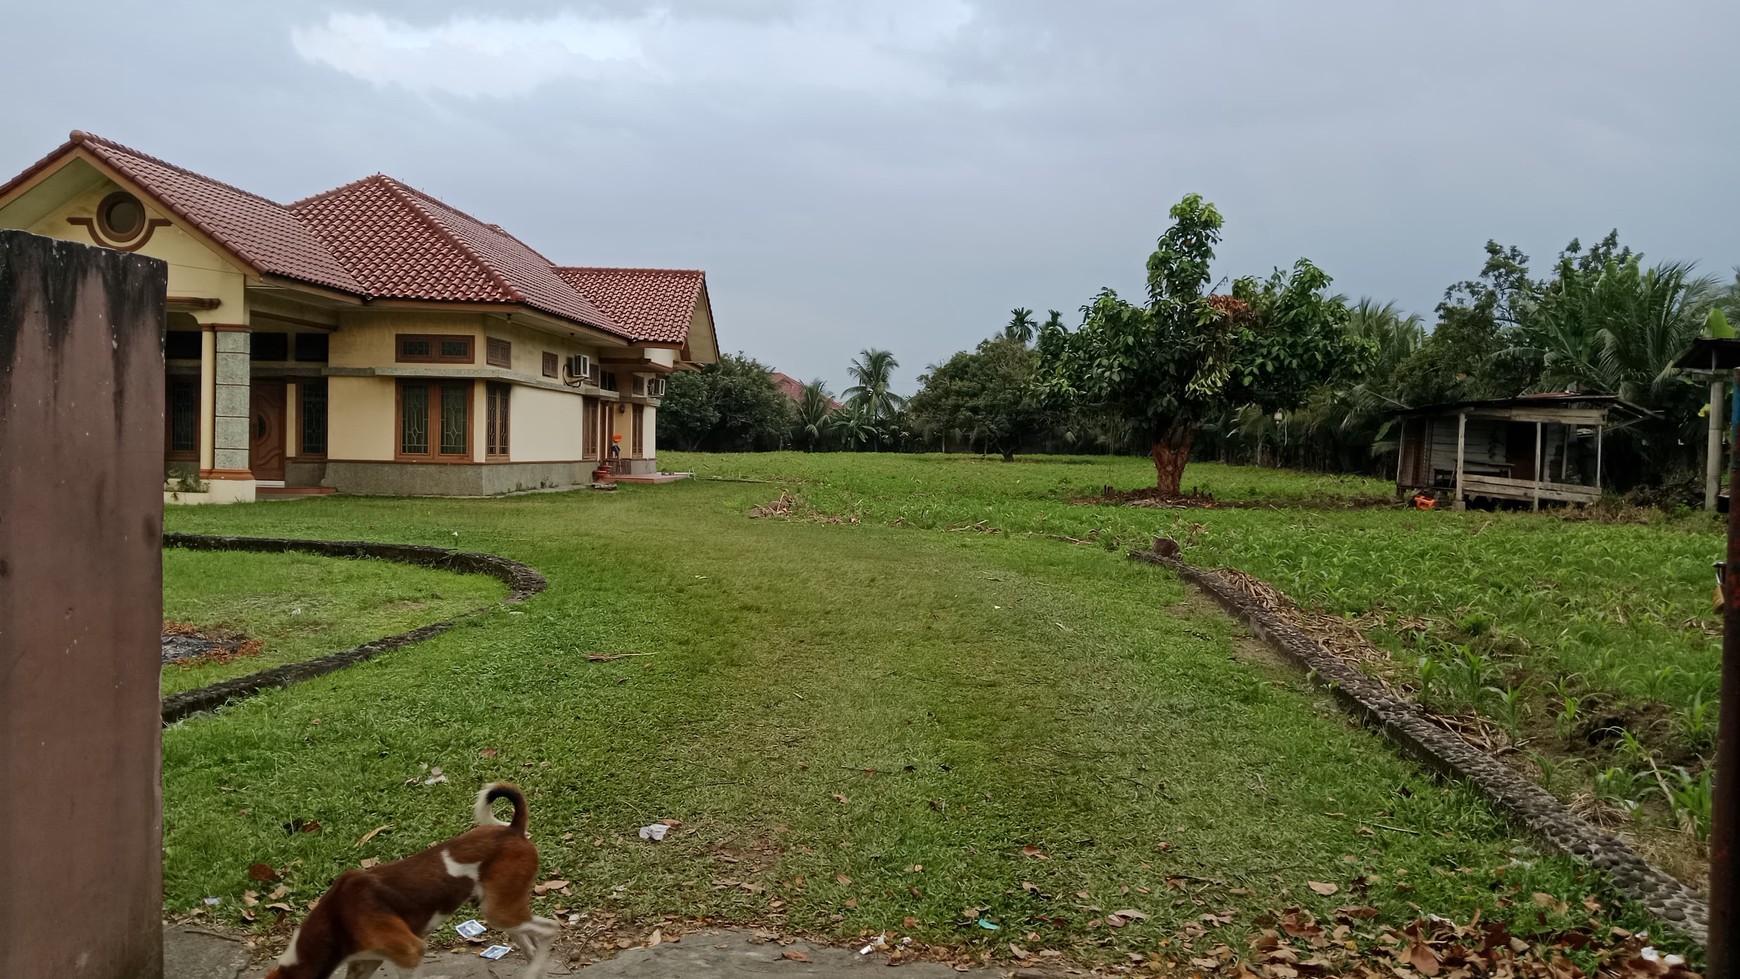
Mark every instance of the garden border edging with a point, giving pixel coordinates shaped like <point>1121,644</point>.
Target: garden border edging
<point>1406,726</point>
<point>522,580</point>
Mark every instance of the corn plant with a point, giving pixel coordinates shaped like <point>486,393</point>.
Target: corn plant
<point>1691,799</point>
<point>1620,787</point>
<point>1510,707</point>
<point>1697,721</point>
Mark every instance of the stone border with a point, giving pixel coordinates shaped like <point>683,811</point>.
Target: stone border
<point>523,582</point>
<point>1407,726</point>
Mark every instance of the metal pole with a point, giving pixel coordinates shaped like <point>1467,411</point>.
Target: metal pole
<point>1724,939</point>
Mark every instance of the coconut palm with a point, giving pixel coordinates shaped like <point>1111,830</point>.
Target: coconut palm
<point>873,370</point>
<point>815,416</point>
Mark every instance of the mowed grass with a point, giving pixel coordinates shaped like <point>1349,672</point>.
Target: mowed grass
<point>301,606</point>
<point>1596,630</point>
<point>859,728</point>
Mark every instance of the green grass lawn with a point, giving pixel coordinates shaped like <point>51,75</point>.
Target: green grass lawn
<point>1589,623</point>
<point>854,724</point>
<point>302,606</point>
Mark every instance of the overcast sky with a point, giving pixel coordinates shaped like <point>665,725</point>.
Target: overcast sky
<point>899,173</point>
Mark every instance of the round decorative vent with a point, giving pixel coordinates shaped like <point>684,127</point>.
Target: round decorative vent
<point>121,217</point>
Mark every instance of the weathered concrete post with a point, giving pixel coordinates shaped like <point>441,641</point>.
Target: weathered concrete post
<point>81,600</point>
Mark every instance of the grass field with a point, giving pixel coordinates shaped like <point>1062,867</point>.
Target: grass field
<point>1594,642</point>
<point>302,606</point>
<point>858,727</point>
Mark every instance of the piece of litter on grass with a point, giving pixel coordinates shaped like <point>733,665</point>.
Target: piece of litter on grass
<point>213,901</point>
<point>470,930</point>
<point>494,952</point>
<point>987,925</point>
<point>655,832</point>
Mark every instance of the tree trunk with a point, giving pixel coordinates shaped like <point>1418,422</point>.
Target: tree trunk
<point>1171,453</point>
<point>1008,455</point>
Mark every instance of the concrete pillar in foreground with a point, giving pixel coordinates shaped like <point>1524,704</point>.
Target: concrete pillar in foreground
<point>81,605</point>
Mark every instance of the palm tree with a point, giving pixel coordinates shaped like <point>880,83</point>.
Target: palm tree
<point>1021,325</point>
<point>815,416</point>
<point>873,370</point>
<point>1053,320</point>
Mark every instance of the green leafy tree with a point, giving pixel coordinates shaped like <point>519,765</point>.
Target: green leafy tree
<point>1185,355</point>
<point>985,395</point>
<point>729,406</point>
<point>872,371</point>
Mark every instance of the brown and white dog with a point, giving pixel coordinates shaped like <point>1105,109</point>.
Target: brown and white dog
<point>383,914</point>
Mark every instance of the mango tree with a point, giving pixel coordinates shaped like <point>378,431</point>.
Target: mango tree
<point>1187,354</point>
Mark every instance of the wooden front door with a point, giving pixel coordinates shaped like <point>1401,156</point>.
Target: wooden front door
<point>266,429</point>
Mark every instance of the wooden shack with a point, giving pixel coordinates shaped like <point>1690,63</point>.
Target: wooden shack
<point>1526,449</point>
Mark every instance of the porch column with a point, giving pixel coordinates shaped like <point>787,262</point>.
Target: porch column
<point>232,411</point>
<point>207,395</point>
<point>1713,447</point>
<point>1599,429</point>
<point>1401,453</point>
<point>1538,433</point>
<point>1461,447</point>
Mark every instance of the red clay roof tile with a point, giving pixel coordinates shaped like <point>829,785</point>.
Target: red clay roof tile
<point>258,231</point>
<point>404,244</point>
<point>654,305</point>
<point>379,238</point>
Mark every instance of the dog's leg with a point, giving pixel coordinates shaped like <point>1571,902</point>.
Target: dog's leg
<point>539,937</point>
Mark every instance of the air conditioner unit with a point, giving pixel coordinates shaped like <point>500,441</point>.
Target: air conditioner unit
<point>579,366</point>
<point>655,387</point>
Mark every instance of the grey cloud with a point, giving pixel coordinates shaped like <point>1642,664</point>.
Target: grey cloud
<point>1385,141</point>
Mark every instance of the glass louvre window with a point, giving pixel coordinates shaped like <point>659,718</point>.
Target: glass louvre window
<point>414,419</point>
<point>184,416</point>
<point>454,401</point>
<point>496,426</point>
<point>411,348</point>
<point>313,412</point>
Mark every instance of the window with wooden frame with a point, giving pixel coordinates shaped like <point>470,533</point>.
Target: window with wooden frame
<point>495,444</point>
<point>589,426</point>
<point>181,420</point>
<point>607,380</point>
<point>311,414</point>
<point>432,348</point>
<point>639,436</point>
<point>498,352</point>
<point>434,420</point>
<point>550,363</point>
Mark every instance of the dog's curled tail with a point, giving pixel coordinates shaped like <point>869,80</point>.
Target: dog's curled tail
<point>501,790</point>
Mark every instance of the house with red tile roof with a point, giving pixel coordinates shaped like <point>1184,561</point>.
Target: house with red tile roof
<point>793,388</point>
<point>373,339</point>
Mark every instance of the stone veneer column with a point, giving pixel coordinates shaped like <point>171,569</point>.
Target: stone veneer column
<point>207,395</point>
<point>232,407</point>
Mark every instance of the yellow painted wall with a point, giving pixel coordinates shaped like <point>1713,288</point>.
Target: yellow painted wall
<point>360,415</point>
<point>194,269</point>
<point>367,338</point>
<point>543,426</point>
<point>529,345</point>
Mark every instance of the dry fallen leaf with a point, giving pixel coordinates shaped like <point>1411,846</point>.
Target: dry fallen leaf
<point>262,872</point>
<point>371,833</point>
<point>842,878</point>
<point>794,955</point>
<point>368,862</point>
<point>1322,888</point>
<point>1423,959</point>
<point>1032,851</point>
<point>840,797</point>
<point>1132,913</point>
<point>488,753</point>
<point>1017,951</point>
